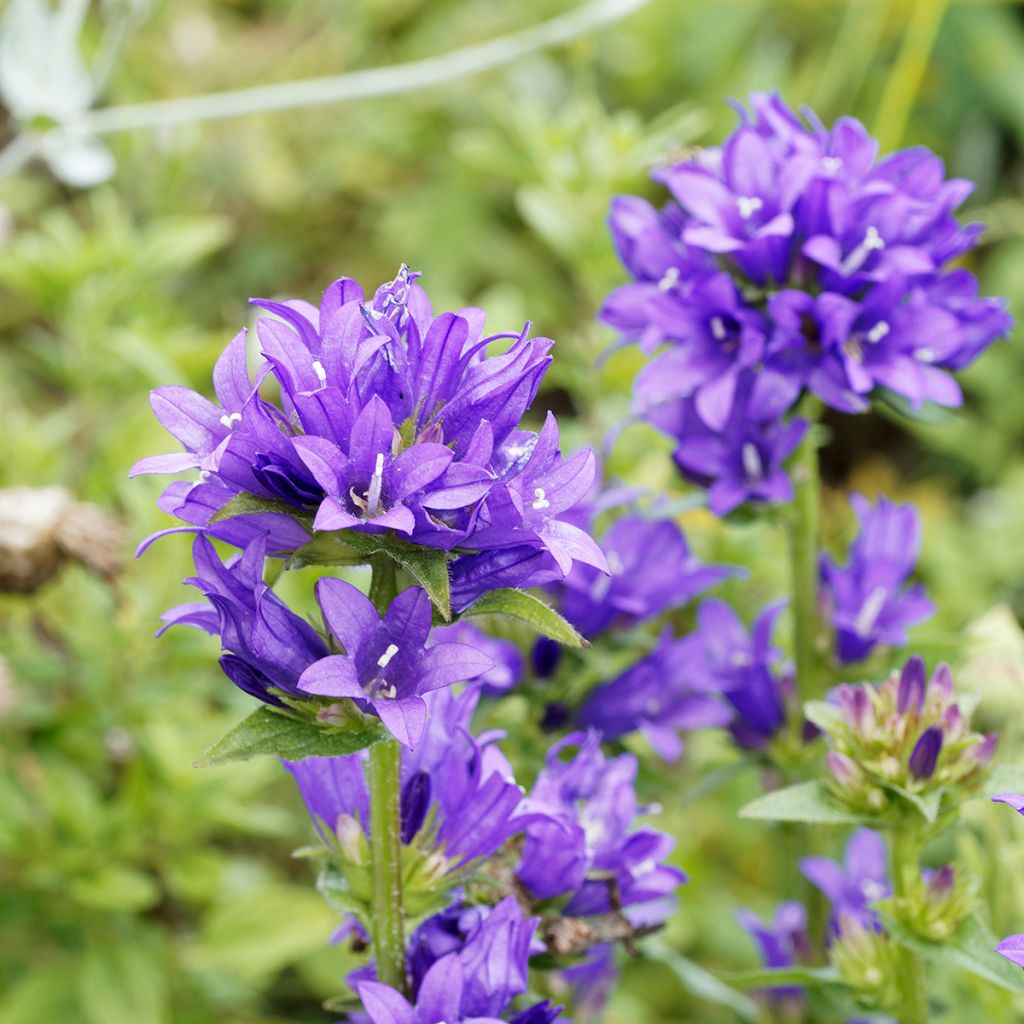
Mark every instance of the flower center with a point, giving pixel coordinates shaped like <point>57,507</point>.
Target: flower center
<point>718,328</point>
<point>748,206</point>
<point>831,165</point>
<point>878,332</point>
<point>376,482</point>
<point>753,467</point>
<point>670,278</point>
<point>870,611</point>
<point>229,419</point>
<point>540,499</point>
<point>872,242</point>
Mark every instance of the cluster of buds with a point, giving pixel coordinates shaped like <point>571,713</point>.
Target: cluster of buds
<point>936,905</point>
<point>904,740</point>
<point>868,962</point>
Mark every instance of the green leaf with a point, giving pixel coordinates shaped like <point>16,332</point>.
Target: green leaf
<point>518,604</point>
<point>926,804</point>
<point>701,982</point>
<point>972,948</point>
<point>249,504</point>
<point>777,977</point>
<point>267,731</point>
<point>116,887</point>
<point>927,412</point>
<point>806,801</point>
<point>328,548</point>
<point>427,566</point>
<point>123,984</point>
<point>827,717</point>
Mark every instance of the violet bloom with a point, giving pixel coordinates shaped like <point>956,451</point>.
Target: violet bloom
<point>854,885</point>
<point>868,598</point>
<point>267,647</point>
<point>387,666</point>
<point>651,570</point>
<point>794,255</point>
<point>782,942</point>
<point>1012,947</point>
<point>460,784</point>
<point>744,461</point>
<point>587,845</point>
<point>389,420</point>
<point>744,668</point>
<point>658,695</point>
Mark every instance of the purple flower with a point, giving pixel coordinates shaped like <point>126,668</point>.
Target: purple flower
<point>742,667</point>
<point>586,845</point>
<point>925,755</point>
<point>484,953</point>
<point>794,256</point>
<point>659,696</point>
<point>460,784</point>
<point>854,885</point>
<point>868,599</point>
<point>1012,947</point>
<point>651,570</point>
<point>387,666</point>
<point>783,942</point>
<point>744,461</point>
<point>389,420</point>
<point>267,646</point>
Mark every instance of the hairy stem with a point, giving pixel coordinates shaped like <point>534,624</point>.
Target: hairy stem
<point>386,825</point>
<point>904,867</point>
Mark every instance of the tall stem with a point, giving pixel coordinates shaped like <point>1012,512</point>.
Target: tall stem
<point>904,867</point>
<point>804,537</point>
<point>385,778</point>
<point>386,847</point>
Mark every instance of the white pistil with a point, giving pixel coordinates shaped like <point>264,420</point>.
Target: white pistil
<point>878,332</point>
<point>376,483</point>
<point>229,419</point>
<point>870,611</point>
<point>873,890</point>
<point>204,475</point>
<point>718,328</point>
<point>669,280</point>
<point>831,165</point>
<point>753,467</point>
<point>748,206</point>
<point>385,659</point>
<point>872,242</point>
<point>540,499</point>
<point>321,373</point>
<point>925,354</point>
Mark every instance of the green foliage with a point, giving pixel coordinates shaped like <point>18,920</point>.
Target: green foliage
<point>137,888</point>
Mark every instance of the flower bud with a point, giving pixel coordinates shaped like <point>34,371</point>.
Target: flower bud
<point>925,754</point>
<point>911,690</point>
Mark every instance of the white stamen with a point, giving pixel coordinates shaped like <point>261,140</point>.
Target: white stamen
<point>753,467</point>
<point>541,499</point>
<point>204,475</point>
<point>376,482</point>
<point>321,373</point>
<point>872,242</point>
<point>879,331</point>
<point>388,692</point>
<point>870,611</point>
<point>873,890</point>
<point>384,660</point>
<point>831,165</point>
<point>669,280</point>
<point>229,419</point>
<point>652,706</point>
<point>718,328</point>
<point>748,206</point>
<point>925,354</point>
<point>741,659</point>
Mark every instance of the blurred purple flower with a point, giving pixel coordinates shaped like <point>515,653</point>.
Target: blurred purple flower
<point>782,942</point>
<point>867,599</point>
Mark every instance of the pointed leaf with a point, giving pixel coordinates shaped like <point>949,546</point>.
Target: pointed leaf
<point>701,982</point>
<point>780,977</point>
<point>267,731</point>
<point>806,801</point>
<point>972,948</point>
<point>518,604</point>
<point>246,504</point>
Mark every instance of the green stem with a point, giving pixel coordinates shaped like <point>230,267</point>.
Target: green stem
<point>904,867</point>
<point>386,824</point>
<point>804,554</point>
<point>386,847</point>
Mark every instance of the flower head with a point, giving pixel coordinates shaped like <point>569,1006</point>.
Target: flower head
<point>869,599</point>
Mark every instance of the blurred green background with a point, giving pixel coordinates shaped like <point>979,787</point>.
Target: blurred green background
<point>137,890</point>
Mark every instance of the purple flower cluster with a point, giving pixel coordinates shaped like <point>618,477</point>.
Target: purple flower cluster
<point>391,421</point>
<point>718,676</point>
<point>792,259</point>
<point>465,965</point>
<point>389,663</point>
<point>582,847</point>
<point>868,599</point>
<point>459,785</point>
<point>1012,947</point>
